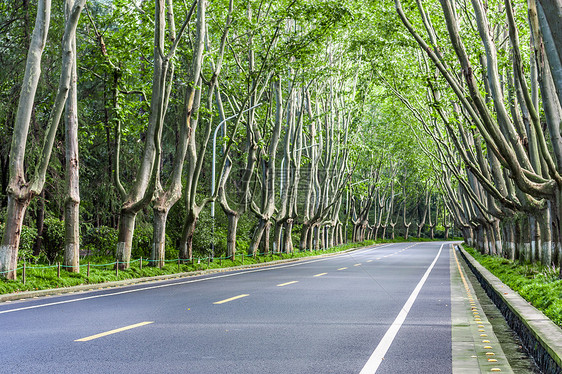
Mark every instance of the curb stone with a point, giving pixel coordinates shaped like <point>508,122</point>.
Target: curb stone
<point>542,337</point>
<point>133,281</point>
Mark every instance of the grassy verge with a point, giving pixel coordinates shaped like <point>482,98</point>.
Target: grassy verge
<point>537,284</point>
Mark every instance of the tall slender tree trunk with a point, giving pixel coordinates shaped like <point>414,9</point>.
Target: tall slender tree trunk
<point>72,200</point>
<point>545,227</point>
<point>40,224</point>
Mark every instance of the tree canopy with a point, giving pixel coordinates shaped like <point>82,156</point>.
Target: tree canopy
<point>166,128</point>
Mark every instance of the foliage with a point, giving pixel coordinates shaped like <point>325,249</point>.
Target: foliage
<point>53,239</point>
<point>100,241</point>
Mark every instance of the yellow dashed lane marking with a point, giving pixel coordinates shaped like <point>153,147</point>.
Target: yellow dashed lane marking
<point>286,284</point>
<point>88,338</point>
<point>357,265</point>
<point>231,299</point>
<point>342,268</point>
<point>321,274</point>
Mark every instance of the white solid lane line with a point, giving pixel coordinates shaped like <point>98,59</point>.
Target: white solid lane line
<point>378,355</point>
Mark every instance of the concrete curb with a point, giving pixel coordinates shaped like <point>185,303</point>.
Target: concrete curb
<point>541,337</point>
<point>129,282</point>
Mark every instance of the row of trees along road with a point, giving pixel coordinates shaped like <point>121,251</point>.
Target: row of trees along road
<point>491,89</point>
<point>307,123</point>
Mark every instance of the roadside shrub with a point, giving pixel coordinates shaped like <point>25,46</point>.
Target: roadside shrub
<point>100,241</point>
<point>142,241</point>
<point>53,239</point>
<point>27,239</point>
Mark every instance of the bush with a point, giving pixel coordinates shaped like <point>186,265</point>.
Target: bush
<point>27,239</point>
<point>142,241</point>
<point>100,241</point>
<point>53,239</point>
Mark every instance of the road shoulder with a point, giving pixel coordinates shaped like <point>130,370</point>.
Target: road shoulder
<point>475,347</point>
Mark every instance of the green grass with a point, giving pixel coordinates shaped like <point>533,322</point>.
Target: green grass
<point>41,277</point>
<point>536,283</point>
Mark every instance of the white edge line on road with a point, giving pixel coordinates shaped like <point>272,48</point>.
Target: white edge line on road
<point>378,355</point>
<point>184,282</point>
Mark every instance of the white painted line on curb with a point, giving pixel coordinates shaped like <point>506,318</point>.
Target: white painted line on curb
<point>378,355</point>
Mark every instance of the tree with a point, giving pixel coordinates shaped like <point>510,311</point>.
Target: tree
<point>19,191</point>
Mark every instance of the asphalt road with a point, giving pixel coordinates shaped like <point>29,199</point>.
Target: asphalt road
<point>384,309</point>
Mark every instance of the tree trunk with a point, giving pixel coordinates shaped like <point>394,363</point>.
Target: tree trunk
<point>19,191</point>
<point>310,240</point>
<point>265,241</point>
<point>257,237</point>
<point>287,238</point>
<point>11,237</point>
<point>317,238</point>
<point>231,234</point>
<point>186,243</point>
<point>158,253</point>
<point>72,201</point>
<point>305,232</point>
<point>125,238</point>
<point>546,237</point>
<point>524,252</point>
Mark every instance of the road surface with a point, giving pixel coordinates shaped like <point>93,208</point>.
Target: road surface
<point>383,309</point>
